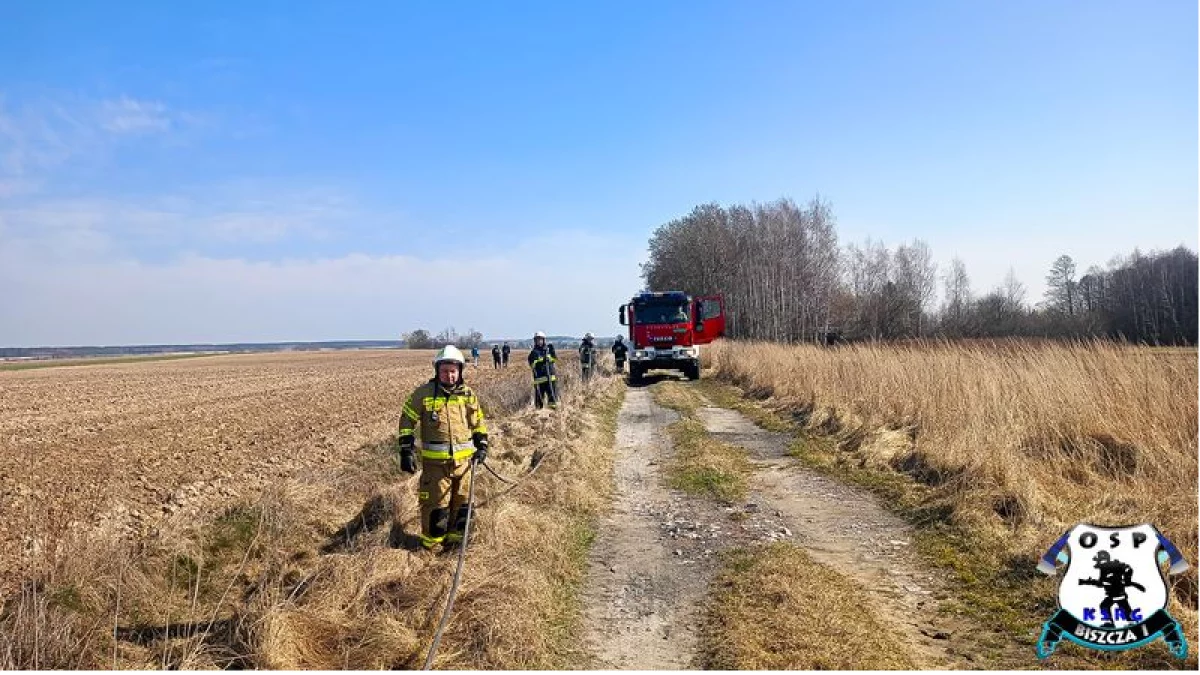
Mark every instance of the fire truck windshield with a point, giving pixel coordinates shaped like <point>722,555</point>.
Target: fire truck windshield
<point>661,313</point>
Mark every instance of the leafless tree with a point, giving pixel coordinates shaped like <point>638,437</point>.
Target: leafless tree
<point>958,299</point>
<point>776,264</point>
<point>1013,291</point>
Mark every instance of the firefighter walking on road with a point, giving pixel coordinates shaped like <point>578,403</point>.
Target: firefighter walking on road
<point>619,351</point>
<point>453,436</point>
<point>541,360</point>
<point>587,356</point>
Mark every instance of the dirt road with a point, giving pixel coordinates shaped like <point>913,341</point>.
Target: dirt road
<point>641,598</point>
<point>846,529</point>
<point>652,562</point>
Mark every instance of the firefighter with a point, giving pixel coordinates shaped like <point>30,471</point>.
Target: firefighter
<point>504,352</point>
<point>1115,578</point>
<point>541,360</point>
<point>619,351</point>
<point>587,355</point>
<point>453,436</point>
<point>496,356</point>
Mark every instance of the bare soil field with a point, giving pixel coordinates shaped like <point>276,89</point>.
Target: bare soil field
<point>126,445</point>
<point>248,512</point>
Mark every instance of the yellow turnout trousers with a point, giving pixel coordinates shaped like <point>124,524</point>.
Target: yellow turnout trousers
<point>442,494</point>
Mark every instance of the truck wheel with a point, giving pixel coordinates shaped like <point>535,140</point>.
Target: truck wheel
<point>635,374</point>
<point>692,371</point>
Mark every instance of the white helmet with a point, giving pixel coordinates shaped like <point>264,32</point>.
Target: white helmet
<point>588,336</point>
<point>539,334</point>
<point>620,338</point>
<point>449,353</point>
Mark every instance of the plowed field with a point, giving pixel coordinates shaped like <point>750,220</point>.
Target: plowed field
<point>128,445</point>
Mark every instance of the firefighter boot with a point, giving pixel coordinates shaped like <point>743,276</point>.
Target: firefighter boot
<point>458,531</point>
<point>433,531</point>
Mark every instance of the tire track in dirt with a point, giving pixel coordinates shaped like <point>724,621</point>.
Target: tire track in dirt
<point>848,530</point>
<point>642,597</point>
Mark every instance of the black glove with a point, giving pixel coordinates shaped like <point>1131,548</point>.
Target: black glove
<point>408,461</point>
<point>481,446</point>
<point>408,457</point>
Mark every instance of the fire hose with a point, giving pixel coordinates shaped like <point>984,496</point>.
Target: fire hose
<point>536,463</point>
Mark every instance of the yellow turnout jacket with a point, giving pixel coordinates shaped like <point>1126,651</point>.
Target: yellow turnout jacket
<point>447,417</point>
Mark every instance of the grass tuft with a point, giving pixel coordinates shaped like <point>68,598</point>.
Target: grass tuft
<point>774,608</point>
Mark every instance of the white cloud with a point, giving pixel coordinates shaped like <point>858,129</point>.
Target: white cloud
<point>126,115</point>
<point>38,137</point>
<point>202,218</point>
<point>568,283</point>
<point>33,141</point>
<point>15,187</point>
<point>169,268</point>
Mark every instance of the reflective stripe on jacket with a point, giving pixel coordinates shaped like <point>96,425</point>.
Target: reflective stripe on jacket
<point>542,361</point>
<point>443,450</point>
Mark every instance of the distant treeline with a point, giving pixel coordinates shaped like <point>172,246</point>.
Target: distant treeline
<point>237,347</point>
<point>423,339</point>
<point>785,278</point>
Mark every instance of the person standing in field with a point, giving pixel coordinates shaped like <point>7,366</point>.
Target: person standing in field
<point>541,360</point>
<point>505,352</point>
<point>495,356</point>
<point>475,356</point>
<point>453,436</point>
<point>587,356</point>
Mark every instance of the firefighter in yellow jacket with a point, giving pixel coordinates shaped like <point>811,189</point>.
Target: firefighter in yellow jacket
<point>453,435</point>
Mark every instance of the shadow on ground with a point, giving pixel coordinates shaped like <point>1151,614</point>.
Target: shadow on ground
<point>654,377</point>
<point>378,511</point>
<point>221,641</point>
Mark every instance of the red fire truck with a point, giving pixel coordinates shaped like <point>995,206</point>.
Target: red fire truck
<point>667,329</point>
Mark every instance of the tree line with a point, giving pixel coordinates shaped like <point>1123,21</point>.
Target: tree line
<point>786,278</point>
<point>422,339</point>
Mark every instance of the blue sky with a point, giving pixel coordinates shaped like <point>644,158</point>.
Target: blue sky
<point>280,170</point>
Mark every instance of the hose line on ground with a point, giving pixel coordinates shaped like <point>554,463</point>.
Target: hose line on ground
<point>462,551</point>
<point>462,556</point>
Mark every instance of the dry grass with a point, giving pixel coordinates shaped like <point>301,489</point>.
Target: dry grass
<point>315,571</point>
<point>773,608</point>
<point>674,395</point>
<point>1012,442</point>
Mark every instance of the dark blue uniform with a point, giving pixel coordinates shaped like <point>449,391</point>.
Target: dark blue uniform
<point>541,360</point>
